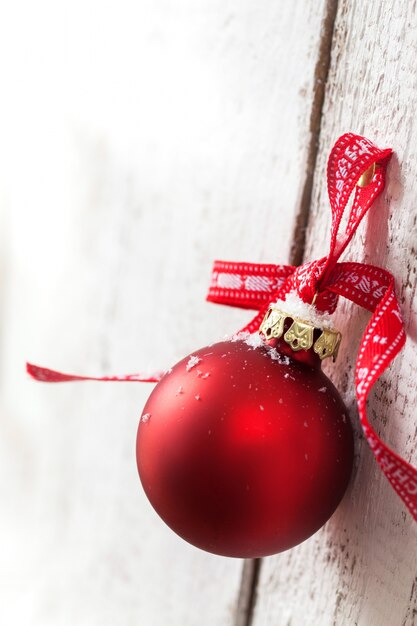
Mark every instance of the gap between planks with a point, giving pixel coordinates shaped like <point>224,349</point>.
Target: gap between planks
<point>251,567</point>
<point>321,72</point>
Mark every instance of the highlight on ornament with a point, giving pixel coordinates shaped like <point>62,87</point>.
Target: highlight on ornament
<point>245,447</point>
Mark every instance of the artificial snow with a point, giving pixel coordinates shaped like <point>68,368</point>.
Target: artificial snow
<point>197,397</point>
<point>277,356</point>
<point>146,417</point>
<point>323,389</point>
<point>192,362</point>
<point>255,340</point>
<point>203,375</point>
<point>294,306</point>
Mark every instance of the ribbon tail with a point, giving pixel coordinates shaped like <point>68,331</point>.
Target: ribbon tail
<point>401,475</point>
<point>46,375</point>
<point>249,286</point>
<point>383,339</point>
<point>246,285</point>
<point>373,288</point>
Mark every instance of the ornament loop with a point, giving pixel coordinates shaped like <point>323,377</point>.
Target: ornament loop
<point>367,176</point>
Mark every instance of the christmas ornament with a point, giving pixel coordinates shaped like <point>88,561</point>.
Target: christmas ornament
<point>244,447</point>
<point>245,451</point>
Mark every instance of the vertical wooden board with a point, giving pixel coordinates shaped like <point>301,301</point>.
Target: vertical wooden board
<point>361,568</point>
<point>140,141</point>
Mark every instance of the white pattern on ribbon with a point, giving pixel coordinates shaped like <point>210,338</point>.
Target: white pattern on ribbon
<point>262,284</point>
<point>229,281</point>
<point>258,283</point>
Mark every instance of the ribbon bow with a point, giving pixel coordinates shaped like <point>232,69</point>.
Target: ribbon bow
<point>355,165</point>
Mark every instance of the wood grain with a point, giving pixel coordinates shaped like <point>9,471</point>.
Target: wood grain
<point>361,568</point>
<point>140,142</point>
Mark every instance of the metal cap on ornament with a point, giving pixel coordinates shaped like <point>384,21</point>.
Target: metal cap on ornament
<point>299,333</point>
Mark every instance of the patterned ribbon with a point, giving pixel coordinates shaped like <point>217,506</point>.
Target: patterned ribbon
<point>255,286</point>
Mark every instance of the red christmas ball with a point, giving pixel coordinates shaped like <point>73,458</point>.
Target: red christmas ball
<point>245,451</point>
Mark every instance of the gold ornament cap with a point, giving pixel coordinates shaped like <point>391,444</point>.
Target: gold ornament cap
<point>300,335</point>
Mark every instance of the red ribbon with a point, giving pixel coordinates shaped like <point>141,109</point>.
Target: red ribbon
<point>255,286</point>
<point>46,375</point>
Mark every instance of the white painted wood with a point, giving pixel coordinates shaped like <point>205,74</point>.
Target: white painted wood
<point>361,568</point>
<point>140,140</point>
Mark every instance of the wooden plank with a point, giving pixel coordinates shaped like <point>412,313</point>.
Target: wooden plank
<point>140,143</point>
<point>361,568</point>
